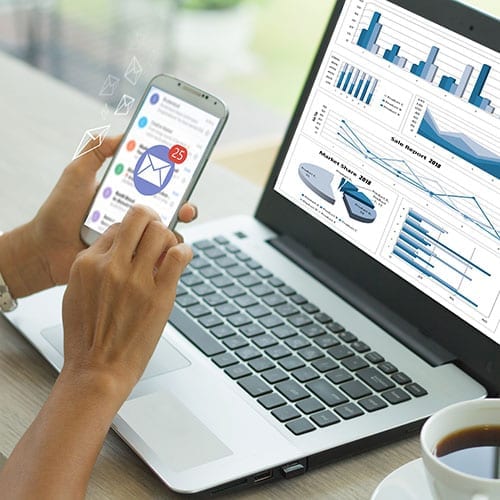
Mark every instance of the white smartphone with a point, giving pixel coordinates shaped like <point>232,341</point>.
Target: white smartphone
<point>161,156</point>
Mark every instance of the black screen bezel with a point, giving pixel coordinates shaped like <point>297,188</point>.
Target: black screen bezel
<point>475,352</point>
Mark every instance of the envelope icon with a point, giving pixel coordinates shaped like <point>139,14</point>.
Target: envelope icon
<point>109,86</point>
<point>133,71</point>
<point>154,170</point>
<point>125,105</point>
<point>92,139</point>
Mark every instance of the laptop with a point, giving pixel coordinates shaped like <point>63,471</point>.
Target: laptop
<point>364,295</point>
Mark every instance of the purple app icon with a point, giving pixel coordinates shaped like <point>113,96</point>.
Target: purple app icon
<point>153,170</point>
<point>107,192</point>
<point>95,216</point>
<point>154,99</point>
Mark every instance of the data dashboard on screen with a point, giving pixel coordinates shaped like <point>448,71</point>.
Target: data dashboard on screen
<point>398,151</point>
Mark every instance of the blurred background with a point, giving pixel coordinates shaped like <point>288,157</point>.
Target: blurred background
<point>254,54</point>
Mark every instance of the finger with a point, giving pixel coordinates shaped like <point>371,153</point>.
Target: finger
<point>131,230</point>
<point>179,237</point>
<point>95,157</point>
<point>155,240</point>
<point>109,145</point>
<point>187,212</point>
<point>105,241</point>
<point>174,263</point>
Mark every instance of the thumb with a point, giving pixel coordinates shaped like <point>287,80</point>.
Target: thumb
<point>94,158</point>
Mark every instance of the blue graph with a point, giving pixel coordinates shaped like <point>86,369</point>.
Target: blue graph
<point>402,170</point>
<point>358,205</point>
<point>419,245</point>
<point>461,145</point>
<point>357,83</point>
<point>392,56</point>
<point>475,98</point>
<point>450,84</point>
<point>428,69</point>
<point>369,36</point>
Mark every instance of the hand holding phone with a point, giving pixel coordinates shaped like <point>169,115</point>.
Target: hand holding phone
<point>161,155</point>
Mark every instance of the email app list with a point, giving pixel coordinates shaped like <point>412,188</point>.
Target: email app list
<point>156,161</point>
<point>153,170</point>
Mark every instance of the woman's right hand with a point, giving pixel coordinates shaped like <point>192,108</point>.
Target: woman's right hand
<point>120,294</point>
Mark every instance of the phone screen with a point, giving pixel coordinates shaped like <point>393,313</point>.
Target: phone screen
<point>155,162</point>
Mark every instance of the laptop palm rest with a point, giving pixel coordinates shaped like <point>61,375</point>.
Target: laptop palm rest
<point>165,359</point>
<point>167,426</point>
<point>164,423</point>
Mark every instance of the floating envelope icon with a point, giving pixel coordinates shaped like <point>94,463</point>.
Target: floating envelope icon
<point>125,105</point>
<point>109,86</point>
<point>133,71</point>
<point>92,139</point>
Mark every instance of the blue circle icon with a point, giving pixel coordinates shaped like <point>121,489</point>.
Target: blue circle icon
<point>153,170</point>
<point>143,122</point>
<point>154,99</point>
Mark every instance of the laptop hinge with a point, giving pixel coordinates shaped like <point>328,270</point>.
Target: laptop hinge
<point>380,314</point>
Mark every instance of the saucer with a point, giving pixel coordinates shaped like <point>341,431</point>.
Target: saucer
<point>409,482</point>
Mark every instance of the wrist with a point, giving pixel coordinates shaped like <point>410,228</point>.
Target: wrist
<point>59,450</point>
<point>21,263</point>
<point>99,386</point>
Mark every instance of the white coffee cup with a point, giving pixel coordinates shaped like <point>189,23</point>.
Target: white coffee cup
<point>445,482</point>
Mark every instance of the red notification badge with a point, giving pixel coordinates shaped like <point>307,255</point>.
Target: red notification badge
<point>177,154</point>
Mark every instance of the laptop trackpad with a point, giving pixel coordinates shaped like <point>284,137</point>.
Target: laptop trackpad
<point>166,357</point>
<point>166,426</point>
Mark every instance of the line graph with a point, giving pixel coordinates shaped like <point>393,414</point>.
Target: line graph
<point>465,204</point>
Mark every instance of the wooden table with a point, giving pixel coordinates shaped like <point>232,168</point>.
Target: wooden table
<point>42,121</point>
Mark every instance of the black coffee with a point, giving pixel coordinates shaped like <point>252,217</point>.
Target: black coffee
<point>475,451</point>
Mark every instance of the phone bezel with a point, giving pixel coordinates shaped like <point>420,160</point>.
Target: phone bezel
<point>190,94</point>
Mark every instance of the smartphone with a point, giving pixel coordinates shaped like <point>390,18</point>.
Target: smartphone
<point>161,156</point>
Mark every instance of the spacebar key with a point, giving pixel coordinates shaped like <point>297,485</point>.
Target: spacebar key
<point>194,333</point>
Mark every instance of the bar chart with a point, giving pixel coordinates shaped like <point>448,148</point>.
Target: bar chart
<point>369,36</point>
<point>475,98</point>
<point>449,83</point>
<point>357,83</point>
<point>392,56</point>
<point>429,69</point>
<point>421,245</point>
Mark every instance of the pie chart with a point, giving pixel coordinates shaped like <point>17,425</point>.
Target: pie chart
<point>318,180</point>
<point>359,206</point>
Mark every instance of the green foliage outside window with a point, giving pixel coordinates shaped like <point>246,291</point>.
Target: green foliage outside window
<point>209,4</point>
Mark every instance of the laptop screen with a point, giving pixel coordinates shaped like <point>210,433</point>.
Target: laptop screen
<point>397,150</point>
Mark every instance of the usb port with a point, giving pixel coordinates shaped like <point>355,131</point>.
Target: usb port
<point>263,476</point>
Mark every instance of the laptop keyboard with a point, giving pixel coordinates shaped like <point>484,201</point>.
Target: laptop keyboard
<point>295,360</point>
